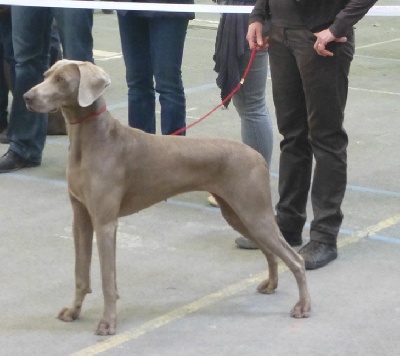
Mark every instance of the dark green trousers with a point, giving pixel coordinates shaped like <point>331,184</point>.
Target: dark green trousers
<point>310,94</point>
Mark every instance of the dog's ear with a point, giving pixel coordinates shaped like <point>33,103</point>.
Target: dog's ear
<point>94,81</point>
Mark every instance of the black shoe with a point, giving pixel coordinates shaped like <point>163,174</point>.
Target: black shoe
<point>245,243</point>
<point>11,162</point>
<point>292,238</point>
<point>318,254</point>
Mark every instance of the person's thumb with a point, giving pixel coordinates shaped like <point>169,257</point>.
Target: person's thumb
<point>341,39</point>
<point>260,40</point>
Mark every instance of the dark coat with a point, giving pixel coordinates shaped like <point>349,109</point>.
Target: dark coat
<point>230,45</point>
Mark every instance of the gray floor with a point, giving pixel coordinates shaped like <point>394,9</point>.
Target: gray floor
<point>185,288</point>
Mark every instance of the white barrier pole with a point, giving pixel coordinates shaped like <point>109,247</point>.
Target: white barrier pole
<point>374,11</point>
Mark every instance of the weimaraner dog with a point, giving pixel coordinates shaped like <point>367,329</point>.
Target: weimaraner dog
<point>115,170</point>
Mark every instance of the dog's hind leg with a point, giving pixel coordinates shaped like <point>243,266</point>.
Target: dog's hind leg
<point>276,244</point>
<point>271,283</point>
<point>260,226</point>
<point>83,239</point>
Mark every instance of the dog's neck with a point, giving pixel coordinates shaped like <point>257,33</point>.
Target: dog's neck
<point>92,116</point>
<point>78,115</point>
<point>86,128</point>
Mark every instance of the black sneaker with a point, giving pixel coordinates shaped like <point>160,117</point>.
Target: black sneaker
<point>318,254</point>
<point>11,162</point>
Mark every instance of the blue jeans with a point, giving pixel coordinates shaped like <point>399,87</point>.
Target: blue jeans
<point>250,103</point>
<point>153,48</point>
<point>31,27</point>
<point>7,54</point>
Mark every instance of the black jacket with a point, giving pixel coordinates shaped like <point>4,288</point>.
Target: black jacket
<point>337,15</point>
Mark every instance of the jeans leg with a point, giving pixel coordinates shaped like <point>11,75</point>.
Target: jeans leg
<point>3,92</point>
<point>295,163</point>
<point>6,40</point>
<point>135,43</point>
<point>7,55</point>
<point>55,44</point>
<point>31,35</point>
<point>250,103</point>
<point>75,29</point>
<point>167,40</point>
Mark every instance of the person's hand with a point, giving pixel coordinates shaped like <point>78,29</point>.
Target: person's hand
<point>255,36</point>
<point>323,38</point>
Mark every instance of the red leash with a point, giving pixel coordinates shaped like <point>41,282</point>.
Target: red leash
<point>253,54</point>
<point>234,91</point>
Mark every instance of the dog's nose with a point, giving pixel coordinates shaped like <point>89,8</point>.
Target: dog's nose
<point>28,96</point>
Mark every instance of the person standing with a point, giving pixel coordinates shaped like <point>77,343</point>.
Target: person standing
<point>232,56</point>
<point>152,46</point>
<point>311,46</point>
<point>31,32</point>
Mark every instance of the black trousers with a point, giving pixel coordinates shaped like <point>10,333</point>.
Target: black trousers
<point>310,94</point>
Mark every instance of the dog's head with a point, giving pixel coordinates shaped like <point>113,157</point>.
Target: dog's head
<point>67,83</point>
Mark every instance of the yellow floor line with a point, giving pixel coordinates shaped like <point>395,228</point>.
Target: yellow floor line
<point>384,224</point>
<point>375,91</point>
<point>210,299</point>
<point>167,318</point>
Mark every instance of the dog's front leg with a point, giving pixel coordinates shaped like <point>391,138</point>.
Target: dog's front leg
<point>83,238</point>
<point>106,243</point>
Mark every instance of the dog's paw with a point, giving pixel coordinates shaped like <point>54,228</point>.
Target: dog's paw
<point>267,287</point>
<point>105,328</point>
<point>68,314</point>
<point>301,310</point>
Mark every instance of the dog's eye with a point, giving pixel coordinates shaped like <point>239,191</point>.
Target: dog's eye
<point>60,79</point>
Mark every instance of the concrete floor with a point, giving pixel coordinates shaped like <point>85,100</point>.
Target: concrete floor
<point>185,288</point>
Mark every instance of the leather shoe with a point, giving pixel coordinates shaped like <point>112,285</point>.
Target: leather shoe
<point>318,254</point>
<point>11,162</point>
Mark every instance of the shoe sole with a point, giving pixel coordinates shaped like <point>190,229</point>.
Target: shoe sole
<point>19,168</point>
<point>316,265</point>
